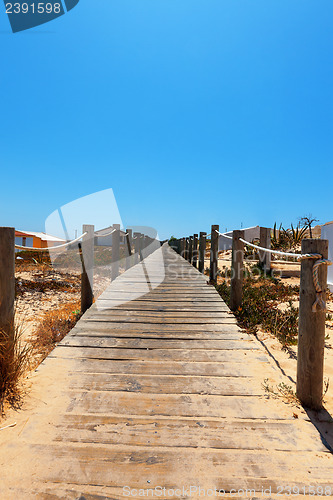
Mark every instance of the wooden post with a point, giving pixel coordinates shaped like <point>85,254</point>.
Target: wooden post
<point>182,247</point>
<point>136,247</point>
<point>146,249</point>
<point>115,252</point>
<point>128,248</point>
<point>195,250</point>
<point>214,247</point>
<point>202,251</point>
<point>141,240</point>
<point>186,249</point>
<point>237,270</point>
<point>265,257</point>
<point>87,275</point>
<point>190,249</point>
<point>7,280</point>
<point>311,329</point>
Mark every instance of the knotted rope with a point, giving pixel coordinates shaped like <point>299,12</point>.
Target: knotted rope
<point>319,304</point>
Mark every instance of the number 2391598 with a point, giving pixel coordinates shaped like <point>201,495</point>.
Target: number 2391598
<point>33,8</point>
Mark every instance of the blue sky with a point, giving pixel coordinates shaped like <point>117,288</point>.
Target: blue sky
<point>195,112</point>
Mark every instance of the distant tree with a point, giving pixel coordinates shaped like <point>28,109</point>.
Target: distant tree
<point>307,222</point>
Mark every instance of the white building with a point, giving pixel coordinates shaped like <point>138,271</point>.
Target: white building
<point>106,241</point>
<point>327,234</point>
<point>250,234</point>
<point>36,239</point>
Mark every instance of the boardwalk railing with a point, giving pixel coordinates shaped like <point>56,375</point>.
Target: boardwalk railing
<point>136,247</point>
<point>312,297</point>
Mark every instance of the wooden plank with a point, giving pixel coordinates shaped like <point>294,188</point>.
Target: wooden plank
<point>155,367</point>
<point>103,330</point>
<point>125,465</point>
<point>140,343</point>
<point>165,384</point>
<point>145,468</point>
<point>159,320</point>
<point>130,315</point>
<point>166,327</point>
<point>175,405</point>
<point>156,307</point>
<point>239,434</point>
<point>201,355</point>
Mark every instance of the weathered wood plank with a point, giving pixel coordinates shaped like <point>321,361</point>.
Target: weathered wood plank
<point>125,315</point>
<point>102,330</point>
<point>166,384</point>
<point>186,405</point>
<point>139,343</point>
<point>238,356</point>
<point>91,324</point>
<point>156,367</point>
<point>186,433</point>
<point>147,468</point>
<point>159,320</point>
<point>157,306</point>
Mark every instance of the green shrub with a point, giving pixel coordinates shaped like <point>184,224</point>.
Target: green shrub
<point>261,297</point>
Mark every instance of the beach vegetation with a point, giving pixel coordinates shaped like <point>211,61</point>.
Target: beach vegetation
<point>259,309</point>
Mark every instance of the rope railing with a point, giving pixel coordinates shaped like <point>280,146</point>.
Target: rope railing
<point>64,245</point>
<point>279,252</point>
<point>49,249</point>
<point>105,235</point>
<point>319,304</point>
<point>224,235</point>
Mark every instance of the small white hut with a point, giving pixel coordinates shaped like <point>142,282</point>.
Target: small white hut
<point>250,234</point>
<point>327,234</point>
<point>106,241</point>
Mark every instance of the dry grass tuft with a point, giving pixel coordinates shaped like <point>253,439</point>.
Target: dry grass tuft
<point>283,391</point>
<point>52,328</point>
<point>15,357</point>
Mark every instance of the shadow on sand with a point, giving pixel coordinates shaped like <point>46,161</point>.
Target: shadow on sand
<point>322,420</point>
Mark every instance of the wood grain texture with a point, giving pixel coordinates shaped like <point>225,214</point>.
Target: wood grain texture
<point>237,266</point>
<point>87,275</point>
<point>311,330</point>
<point>164,390</point>
<point>7,279</point>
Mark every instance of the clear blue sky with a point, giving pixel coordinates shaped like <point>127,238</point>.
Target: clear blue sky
<point>195,112</point>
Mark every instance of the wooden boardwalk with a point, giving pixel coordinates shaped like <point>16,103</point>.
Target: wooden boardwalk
<point>161,391</point>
